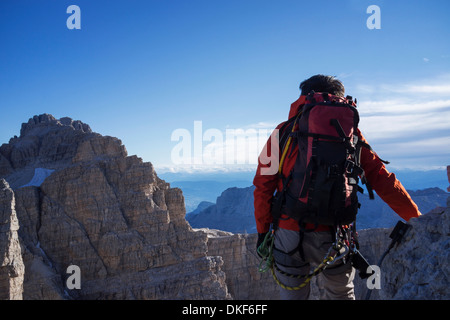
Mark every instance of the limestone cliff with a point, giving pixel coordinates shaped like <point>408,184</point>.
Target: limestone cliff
<point>105,212</point>
<point>11,264</point>
<point>233,212</point>
<point>418,268</point>
<point>243,279</point>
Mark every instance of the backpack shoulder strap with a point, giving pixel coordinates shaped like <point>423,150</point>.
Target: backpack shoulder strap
<point>286,138</point>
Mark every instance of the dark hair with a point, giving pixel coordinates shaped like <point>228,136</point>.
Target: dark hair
<point>322,83</point>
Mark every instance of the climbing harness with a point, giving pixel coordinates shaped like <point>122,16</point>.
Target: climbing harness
<point>338,251</point>
<point>328,260</point>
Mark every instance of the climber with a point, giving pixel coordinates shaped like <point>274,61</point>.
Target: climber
<point>299,245</point>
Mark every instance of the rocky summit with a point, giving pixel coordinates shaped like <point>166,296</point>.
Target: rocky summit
<point>93,206</point>
<point>81,219</point>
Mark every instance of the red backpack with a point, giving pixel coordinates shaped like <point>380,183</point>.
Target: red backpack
<point>322,187</point>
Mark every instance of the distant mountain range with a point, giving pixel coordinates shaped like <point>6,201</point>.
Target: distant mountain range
<point>198,186</point>
<point>234,210</point>
<point>196,192</point>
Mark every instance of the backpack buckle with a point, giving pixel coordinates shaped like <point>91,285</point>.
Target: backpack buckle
<point>349,166</point>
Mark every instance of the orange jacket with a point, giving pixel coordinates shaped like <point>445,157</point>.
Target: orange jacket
<point>386,185</point>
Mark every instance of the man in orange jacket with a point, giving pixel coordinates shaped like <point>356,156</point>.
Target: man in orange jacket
<point>298,250</point>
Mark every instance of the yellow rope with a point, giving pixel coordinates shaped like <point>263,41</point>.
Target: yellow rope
<point>267,262</point>
<point>283,156</point>
<point>308,278</point>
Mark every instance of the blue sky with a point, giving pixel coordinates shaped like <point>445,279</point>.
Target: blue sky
<point>140,70</point>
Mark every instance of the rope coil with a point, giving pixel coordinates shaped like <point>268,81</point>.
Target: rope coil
<point>319,269</point>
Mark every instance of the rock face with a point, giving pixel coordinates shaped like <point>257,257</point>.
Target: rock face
<point>107,213</point>
<point>416,268</point>
<point>233,212</point>
<point>243,279</point>
<point>11,264</point>
<point>419,268</point>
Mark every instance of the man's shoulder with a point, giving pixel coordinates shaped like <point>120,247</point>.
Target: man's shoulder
<point>281,125</point>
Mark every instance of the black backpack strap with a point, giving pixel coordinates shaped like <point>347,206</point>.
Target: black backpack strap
<point>367,146</point>
<point>368,186</point>
<point>364,181</point>
<point>278,201</point>
<point>301,234</point>
<point>308,177</point>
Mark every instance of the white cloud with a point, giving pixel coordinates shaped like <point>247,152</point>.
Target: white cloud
<point>438,87</point>
<point>404,126</point>
<point>420,147</point>
<point>430,89</point>
<point>409,122</point>
<point>401,106</point>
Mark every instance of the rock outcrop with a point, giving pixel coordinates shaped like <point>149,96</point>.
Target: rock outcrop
<point>233,212</point>
<point>243,279</point>
<point>11,264</point>
<point>105,212</point>
<point>418,268</point>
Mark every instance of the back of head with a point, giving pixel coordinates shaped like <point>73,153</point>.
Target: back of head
<point>322,83</point>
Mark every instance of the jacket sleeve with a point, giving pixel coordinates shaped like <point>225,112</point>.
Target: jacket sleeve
<point>265,182</point>
<point>386,185</point>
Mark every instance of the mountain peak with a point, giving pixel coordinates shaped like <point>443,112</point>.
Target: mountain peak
<point>49,143</point>
<point>41,122</point>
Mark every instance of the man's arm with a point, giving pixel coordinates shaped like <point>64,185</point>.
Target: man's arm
<point>265,186</point>
<point>387,186</point>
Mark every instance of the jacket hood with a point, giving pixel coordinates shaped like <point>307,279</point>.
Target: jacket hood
<point>296,106</point>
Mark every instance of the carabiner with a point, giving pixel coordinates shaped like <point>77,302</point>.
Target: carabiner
<point>337,247</point>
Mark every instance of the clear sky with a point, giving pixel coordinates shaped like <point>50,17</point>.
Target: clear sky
<point>144,71</point>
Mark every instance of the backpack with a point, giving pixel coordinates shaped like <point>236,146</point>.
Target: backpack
<point>321,188</point>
